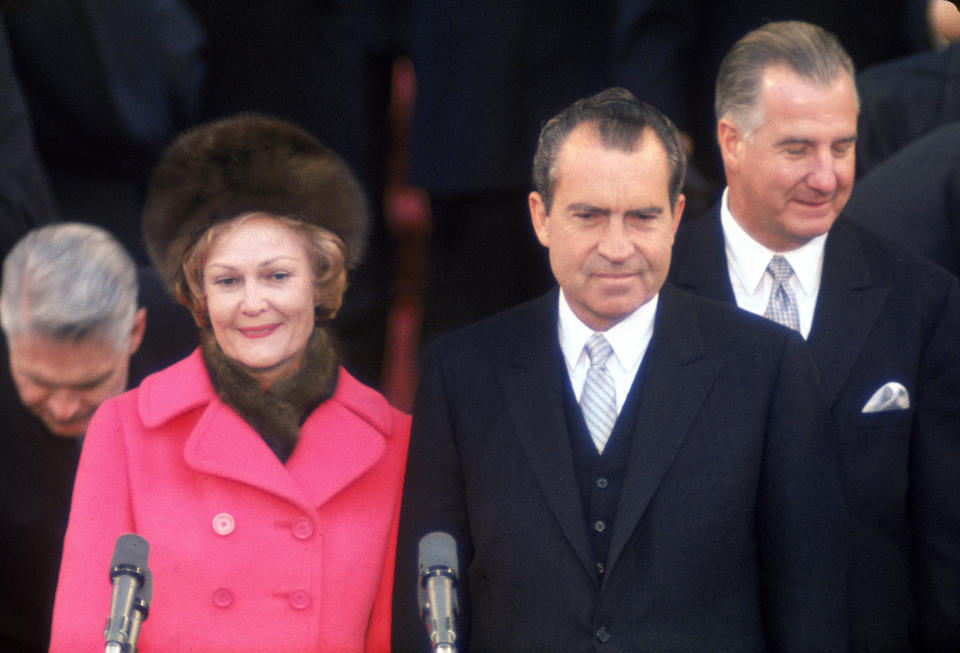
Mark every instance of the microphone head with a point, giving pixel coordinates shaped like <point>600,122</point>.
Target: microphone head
<point>129,555</point>
<point>438,550</point>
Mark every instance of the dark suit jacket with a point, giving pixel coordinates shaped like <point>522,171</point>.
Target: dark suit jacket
<point>728,535</point>
<point>903,99</point>
<point>913,197</point>
<point>882,315</point>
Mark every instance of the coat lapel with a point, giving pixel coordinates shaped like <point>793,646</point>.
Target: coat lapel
<point>533,381</point>
<point>677,378</point>
<point>847,308</point>
<point>701,263</point>
<point>222,444</point>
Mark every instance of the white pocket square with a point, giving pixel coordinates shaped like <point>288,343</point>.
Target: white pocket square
<point>890,396</point>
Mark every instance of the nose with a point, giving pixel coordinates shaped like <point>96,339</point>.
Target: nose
<point>823,175</point>
<point>64,405</point>
<point>253,301</point>
<point>613,244</point>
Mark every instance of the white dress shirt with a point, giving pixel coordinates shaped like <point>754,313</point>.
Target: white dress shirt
<point>628,338</point>
<point>747,262</point>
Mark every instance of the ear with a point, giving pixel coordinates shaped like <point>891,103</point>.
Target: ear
<point>539,218</point>
<point>139,328</point>
<point>729,138</point>
<point>678,211</point>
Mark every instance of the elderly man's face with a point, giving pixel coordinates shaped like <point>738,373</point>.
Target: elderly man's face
<point>611,226</point>
<point>63,382</point>
<point>791,178</point>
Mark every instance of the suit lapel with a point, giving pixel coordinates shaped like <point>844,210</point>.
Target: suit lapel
<point>701,263</point>
<point>677,377</point>
<point>847,308</point>
<point>533,381</point>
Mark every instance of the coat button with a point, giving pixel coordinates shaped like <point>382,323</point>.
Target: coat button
<point>603,636</point>
<point>599,526</point>
<point>302,528</point>
<point>222,597</point>
<point>223,523</point>
<point>602,482</point>
<point>300,599</point>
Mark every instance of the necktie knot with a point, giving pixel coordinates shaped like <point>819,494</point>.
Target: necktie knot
<point>780,269</point>
<point>598,349</point>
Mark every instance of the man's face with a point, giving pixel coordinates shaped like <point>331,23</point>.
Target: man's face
<point>791,178</point>
<point>63,382</point>
<point>610,229</point>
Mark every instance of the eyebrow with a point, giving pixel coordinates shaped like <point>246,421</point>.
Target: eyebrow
<point>82,385</point>
<point>589,208</point>
<point>807,141</point>
<point>266,263</point>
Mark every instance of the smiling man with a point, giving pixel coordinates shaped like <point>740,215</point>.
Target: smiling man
<point>882,325</point>
<point>72,327</point>
<point>624,466</point>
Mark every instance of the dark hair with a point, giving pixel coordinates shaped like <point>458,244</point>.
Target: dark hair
<point>621,120</point>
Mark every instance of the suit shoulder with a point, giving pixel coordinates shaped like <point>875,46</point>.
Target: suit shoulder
<point>725,327</point>
<point>888,262</point>
<point>521,323</point>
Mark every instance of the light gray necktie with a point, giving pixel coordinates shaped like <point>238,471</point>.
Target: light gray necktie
<point>598,401</point>
<point>782,307</point>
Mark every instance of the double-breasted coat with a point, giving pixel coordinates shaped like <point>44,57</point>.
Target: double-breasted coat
<point>247,553</point>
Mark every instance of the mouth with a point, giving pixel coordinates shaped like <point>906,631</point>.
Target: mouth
<point>614,276</point>
<point>815,203</point>
<point>259,332</point>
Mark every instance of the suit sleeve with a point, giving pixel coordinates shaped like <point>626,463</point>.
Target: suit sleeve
<point>802,516</point>
<point>100,512</point>
<point>935,482</point>
<point>433,500</point>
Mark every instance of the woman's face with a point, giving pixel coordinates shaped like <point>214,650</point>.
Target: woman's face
<point>259,290</point>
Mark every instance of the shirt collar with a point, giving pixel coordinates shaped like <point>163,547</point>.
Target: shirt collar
<point>628,338</point>
<point>748,259</point>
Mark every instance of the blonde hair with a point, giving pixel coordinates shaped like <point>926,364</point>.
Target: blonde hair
<point>326,251</point>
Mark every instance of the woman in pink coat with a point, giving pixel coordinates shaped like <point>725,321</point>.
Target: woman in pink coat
<point>265,479</point>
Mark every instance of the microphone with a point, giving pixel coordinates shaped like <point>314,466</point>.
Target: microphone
<point>141,608</point>
<point>437,589</point>
<point>128,574</point>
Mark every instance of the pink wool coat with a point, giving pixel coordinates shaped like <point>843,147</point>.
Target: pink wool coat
<point>247,554</point>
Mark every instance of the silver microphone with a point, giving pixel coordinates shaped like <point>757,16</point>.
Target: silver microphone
<point>128,574</point>
<point>436,592</point>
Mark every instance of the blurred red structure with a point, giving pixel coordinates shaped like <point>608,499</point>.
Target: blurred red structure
<point>407,212</point>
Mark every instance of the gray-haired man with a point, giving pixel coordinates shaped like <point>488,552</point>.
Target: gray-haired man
<point>73,336</point>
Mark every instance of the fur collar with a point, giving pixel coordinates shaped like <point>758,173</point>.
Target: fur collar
<point>277,413</point>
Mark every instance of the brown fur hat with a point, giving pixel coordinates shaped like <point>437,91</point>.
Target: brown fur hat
<point>247,163</point>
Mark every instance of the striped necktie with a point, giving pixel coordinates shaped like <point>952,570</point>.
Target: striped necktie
<point>598,401</point>
<point>782,307</point>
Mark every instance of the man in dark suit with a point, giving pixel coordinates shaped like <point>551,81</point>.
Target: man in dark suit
<point>74,334</point>
<point>882,324</point>
<point>913,197</point>
<point>625,466</point>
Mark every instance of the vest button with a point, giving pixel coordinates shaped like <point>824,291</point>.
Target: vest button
<point>603,636</point>
<point>602,482</point>
<point>599,567</point>
<point>599,526</point>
